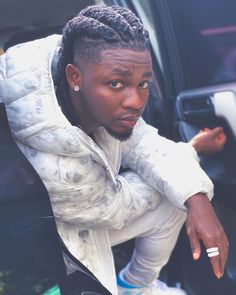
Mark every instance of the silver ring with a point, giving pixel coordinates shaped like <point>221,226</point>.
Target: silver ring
<point>213,249</point>
<point>212,254</point>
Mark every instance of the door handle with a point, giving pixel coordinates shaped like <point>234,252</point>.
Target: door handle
<point>195,109</point>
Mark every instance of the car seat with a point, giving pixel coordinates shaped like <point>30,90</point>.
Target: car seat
<point>28,233</point>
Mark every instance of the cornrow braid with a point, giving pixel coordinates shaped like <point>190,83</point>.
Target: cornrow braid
<point>94,29</point>
<point>123,23</point>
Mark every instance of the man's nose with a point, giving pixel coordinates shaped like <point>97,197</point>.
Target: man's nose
<point>134,99</point>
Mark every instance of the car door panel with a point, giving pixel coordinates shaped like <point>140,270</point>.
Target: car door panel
<point>210,107</point>
<point>225,107</point>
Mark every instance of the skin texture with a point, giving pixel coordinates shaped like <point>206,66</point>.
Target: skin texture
<point>209,141</point>
<point>203,224</point>
<point>113,94</point>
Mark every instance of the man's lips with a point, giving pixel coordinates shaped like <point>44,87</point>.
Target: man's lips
<point>128,120</point>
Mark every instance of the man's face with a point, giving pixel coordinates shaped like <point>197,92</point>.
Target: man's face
<point>114,92</point>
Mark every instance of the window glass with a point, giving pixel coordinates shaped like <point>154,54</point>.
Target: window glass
<point>206,39</point>
<point>144,10</point>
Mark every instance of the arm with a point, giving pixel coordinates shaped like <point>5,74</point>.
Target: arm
<point>170,168</point>
<point>176,162</point>
<point>203,224</point>
<point>82,192</point>
<point>201,219</point>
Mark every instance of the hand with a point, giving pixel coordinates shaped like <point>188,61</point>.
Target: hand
<point>203,224</point>
<point>209,141</point>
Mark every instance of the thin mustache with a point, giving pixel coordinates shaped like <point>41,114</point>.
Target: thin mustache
<point>129,116</point>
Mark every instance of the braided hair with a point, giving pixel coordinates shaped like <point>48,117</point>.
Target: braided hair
<point>94,29</point>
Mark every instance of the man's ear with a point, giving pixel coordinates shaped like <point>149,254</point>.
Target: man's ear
<point>73,75</point>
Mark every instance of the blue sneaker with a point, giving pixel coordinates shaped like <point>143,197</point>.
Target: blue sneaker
<point>156,288</point>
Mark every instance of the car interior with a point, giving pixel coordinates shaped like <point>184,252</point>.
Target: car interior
<point>193,46</point>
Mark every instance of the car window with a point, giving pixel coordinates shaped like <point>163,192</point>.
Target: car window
<point>206,39</point>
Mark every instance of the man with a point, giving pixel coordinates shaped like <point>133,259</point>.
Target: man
<point>78,137</point>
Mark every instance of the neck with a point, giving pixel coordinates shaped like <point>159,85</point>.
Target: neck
<point>86,124</point>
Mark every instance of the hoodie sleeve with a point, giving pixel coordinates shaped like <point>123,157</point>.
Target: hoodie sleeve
<point>170,168</point>
<point>82,193</point>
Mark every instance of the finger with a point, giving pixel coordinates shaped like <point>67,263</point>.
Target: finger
<point>218,262</point>
<point>223,253</point>
<point>194,243</point>
<point>215,262</point>
<point>206,129</point>
<point>221,137</point>
<point>220,143</point>
<point>217,131</point>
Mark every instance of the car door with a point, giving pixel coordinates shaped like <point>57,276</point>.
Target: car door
<point>204,53</point>
<point>205,34</point>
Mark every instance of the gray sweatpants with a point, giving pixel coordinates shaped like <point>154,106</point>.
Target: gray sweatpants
<point>156,234</point>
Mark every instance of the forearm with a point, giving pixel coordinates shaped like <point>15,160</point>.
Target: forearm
<point>198,199</point>
<point>168,167</point>
<point>106,208</point>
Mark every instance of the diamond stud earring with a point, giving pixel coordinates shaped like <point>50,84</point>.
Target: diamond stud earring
<point>76,88</point>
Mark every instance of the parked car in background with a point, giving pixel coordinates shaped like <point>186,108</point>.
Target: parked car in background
<point>193,45</point>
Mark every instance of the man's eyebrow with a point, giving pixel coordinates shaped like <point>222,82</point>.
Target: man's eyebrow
<point>147,75</point>
<point>121,72</point>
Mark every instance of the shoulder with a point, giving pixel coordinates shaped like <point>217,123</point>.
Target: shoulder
<point>30,54</point>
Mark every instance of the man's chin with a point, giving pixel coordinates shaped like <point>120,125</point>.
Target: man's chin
<point>122,135</point>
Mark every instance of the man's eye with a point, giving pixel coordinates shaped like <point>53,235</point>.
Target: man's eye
<point>144,84</point>
<point>116,84</point>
